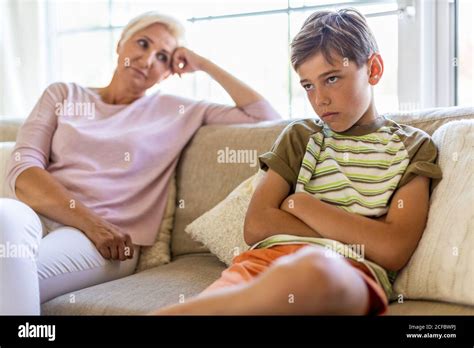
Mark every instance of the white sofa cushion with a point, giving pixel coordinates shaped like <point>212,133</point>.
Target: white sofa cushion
<point>441,267</point>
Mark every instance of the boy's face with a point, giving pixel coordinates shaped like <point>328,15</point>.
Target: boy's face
<point>341,89</point>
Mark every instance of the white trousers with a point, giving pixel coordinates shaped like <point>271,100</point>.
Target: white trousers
<point>41,259</point>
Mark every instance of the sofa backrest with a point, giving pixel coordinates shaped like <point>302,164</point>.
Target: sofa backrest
<point>202,181</point>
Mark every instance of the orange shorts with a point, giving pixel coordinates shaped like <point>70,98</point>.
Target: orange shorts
<point>248,265</point>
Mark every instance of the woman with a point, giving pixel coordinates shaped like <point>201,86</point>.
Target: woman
<point>90,168</point>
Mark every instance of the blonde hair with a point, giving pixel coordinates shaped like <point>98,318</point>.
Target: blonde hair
<point>146,19</point>
<point>344,32</point>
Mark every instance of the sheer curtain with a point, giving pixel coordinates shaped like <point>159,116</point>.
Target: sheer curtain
<point>23,56</point>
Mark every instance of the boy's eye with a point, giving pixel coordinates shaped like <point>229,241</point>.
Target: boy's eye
<point>308,87</point>
<point>143,43</point>
<point>332,79</point>
<point>163,57</point>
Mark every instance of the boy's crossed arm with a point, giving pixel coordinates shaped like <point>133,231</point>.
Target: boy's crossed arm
<point>264,216</point>
<point>388,241</point>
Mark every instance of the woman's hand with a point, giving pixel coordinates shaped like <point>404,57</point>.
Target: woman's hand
<point>186,61</point>
<point>110,240</point>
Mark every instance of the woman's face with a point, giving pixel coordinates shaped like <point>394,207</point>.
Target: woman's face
<point>144,59</point>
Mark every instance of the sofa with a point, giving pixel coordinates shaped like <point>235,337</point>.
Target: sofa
<point>201,183</point>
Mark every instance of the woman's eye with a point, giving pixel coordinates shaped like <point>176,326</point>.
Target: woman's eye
<point>332,79</point>
<point>143,43</point>
<point>308,87</point>
<point>162,57</point>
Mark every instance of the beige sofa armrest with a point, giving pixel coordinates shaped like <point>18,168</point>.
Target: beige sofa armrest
<point>9,128</point>
<point>6,149</point>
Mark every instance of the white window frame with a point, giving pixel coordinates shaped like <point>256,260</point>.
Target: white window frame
<point>426,76</point>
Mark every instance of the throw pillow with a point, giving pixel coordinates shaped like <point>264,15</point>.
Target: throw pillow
<point>159,253</point>
<point>221,229</point>
<point>441,267</point>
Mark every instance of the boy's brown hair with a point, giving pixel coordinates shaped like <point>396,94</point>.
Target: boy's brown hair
<point>344,32</point>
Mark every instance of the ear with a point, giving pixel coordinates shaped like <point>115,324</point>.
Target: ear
<point>118,47</point>
<point>375,68</point>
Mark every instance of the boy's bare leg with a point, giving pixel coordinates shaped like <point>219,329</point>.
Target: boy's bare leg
<point>232,300</point>
<point>306,282</point>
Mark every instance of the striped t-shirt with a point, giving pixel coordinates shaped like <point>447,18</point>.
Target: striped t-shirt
<point>357,170</point>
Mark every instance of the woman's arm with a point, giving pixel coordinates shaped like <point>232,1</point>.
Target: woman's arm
<point>240,92</point>
<point>185,60</point>
<point>45,195</point>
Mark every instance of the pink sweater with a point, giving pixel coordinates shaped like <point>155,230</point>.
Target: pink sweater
<point>117,159</point>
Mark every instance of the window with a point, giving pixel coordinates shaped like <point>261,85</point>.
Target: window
<point>248,38</point>
<point>465,53</point>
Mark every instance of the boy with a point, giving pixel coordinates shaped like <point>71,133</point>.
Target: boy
<point>353,178</point>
